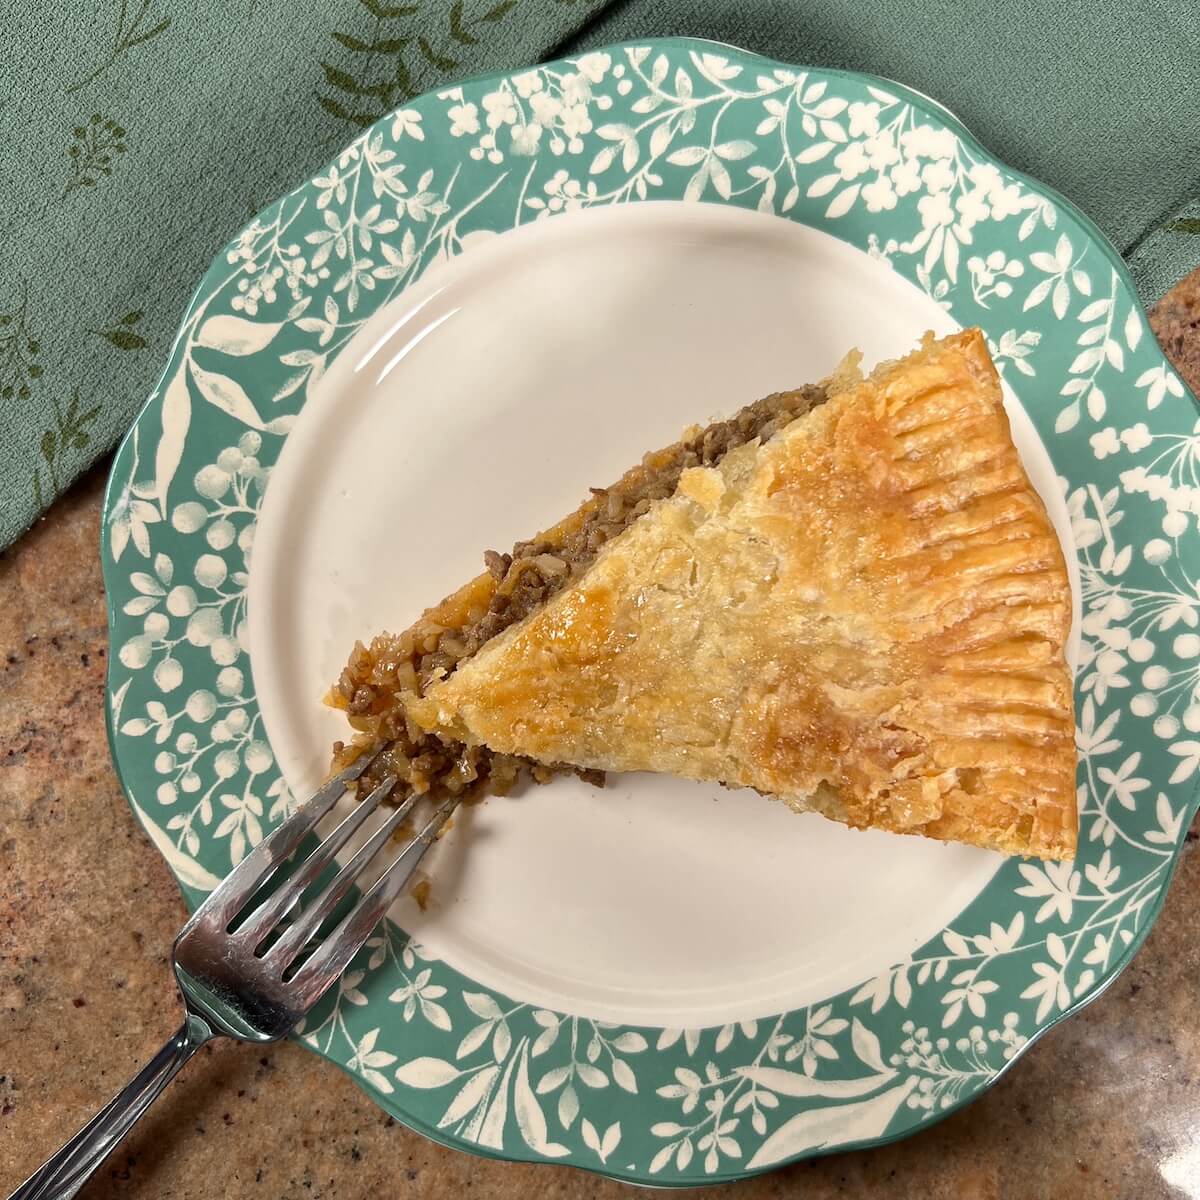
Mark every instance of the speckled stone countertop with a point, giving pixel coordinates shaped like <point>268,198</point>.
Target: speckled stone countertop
<point>1107,1104</point>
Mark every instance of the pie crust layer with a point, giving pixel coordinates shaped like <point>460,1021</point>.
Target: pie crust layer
<point>865,615</point>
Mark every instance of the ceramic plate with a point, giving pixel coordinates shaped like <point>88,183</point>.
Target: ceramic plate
<point>509,291</point>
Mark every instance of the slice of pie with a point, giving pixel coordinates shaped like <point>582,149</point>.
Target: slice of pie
<point>849,597</point>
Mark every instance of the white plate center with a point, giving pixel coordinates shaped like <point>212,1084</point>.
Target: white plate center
<point>475,410</point>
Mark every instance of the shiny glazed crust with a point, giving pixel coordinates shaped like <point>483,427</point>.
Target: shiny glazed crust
<point>866,616</point>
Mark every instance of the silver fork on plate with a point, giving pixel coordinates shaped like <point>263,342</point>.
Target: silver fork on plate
<point>235,983</point>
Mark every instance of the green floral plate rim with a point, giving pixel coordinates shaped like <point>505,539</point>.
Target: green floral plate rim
<point>888,171</point>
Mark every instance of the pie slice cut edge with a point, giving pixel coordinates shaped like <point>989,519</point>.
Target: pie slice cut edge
<point>865,615</point>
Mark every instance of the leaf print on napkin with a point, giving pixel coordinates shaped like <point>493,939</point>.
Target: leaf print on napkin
<point>359,82</point>
<point>122,335</point>
<point>91,152</point>
<point>368,93</point>
<point>18,353</point>
<point>69,434</point>
<point>127,36</point>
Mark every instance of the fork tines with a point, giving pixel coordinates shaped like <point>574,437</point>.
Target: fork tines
<point>250,940</point>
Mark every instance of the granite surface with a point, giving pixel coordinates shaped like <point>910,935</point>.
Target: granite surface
<point>1107,1104</point>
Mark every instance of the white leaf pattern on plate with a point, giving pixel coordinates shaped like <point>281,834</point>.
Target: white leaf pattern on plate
<point>893,175</point>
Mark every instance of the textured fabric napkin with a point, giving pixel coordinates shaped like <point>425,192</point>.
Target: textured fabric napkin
<point>137,136</point>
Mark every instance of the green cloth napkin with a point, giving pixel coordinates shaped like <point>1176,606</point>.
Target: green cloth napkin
<point>137,136</point>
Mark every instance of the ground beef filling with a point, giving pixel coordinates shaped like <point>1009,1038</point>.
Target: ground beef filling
<point>369,688</point>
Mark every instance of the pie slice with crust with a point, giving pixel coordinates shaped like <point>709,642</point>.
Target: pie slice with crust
<point>857,604</point>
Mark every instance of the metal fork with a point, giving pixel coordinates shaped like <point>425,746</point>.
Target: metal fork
<point>234,987</point>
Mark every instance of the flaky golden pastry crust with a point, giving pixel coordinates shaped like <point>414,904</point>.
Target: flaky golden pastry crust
<point>865,616</point>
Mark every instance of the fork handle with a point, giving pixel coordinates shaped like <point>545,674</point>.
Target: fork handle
<point>64,1173</point>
